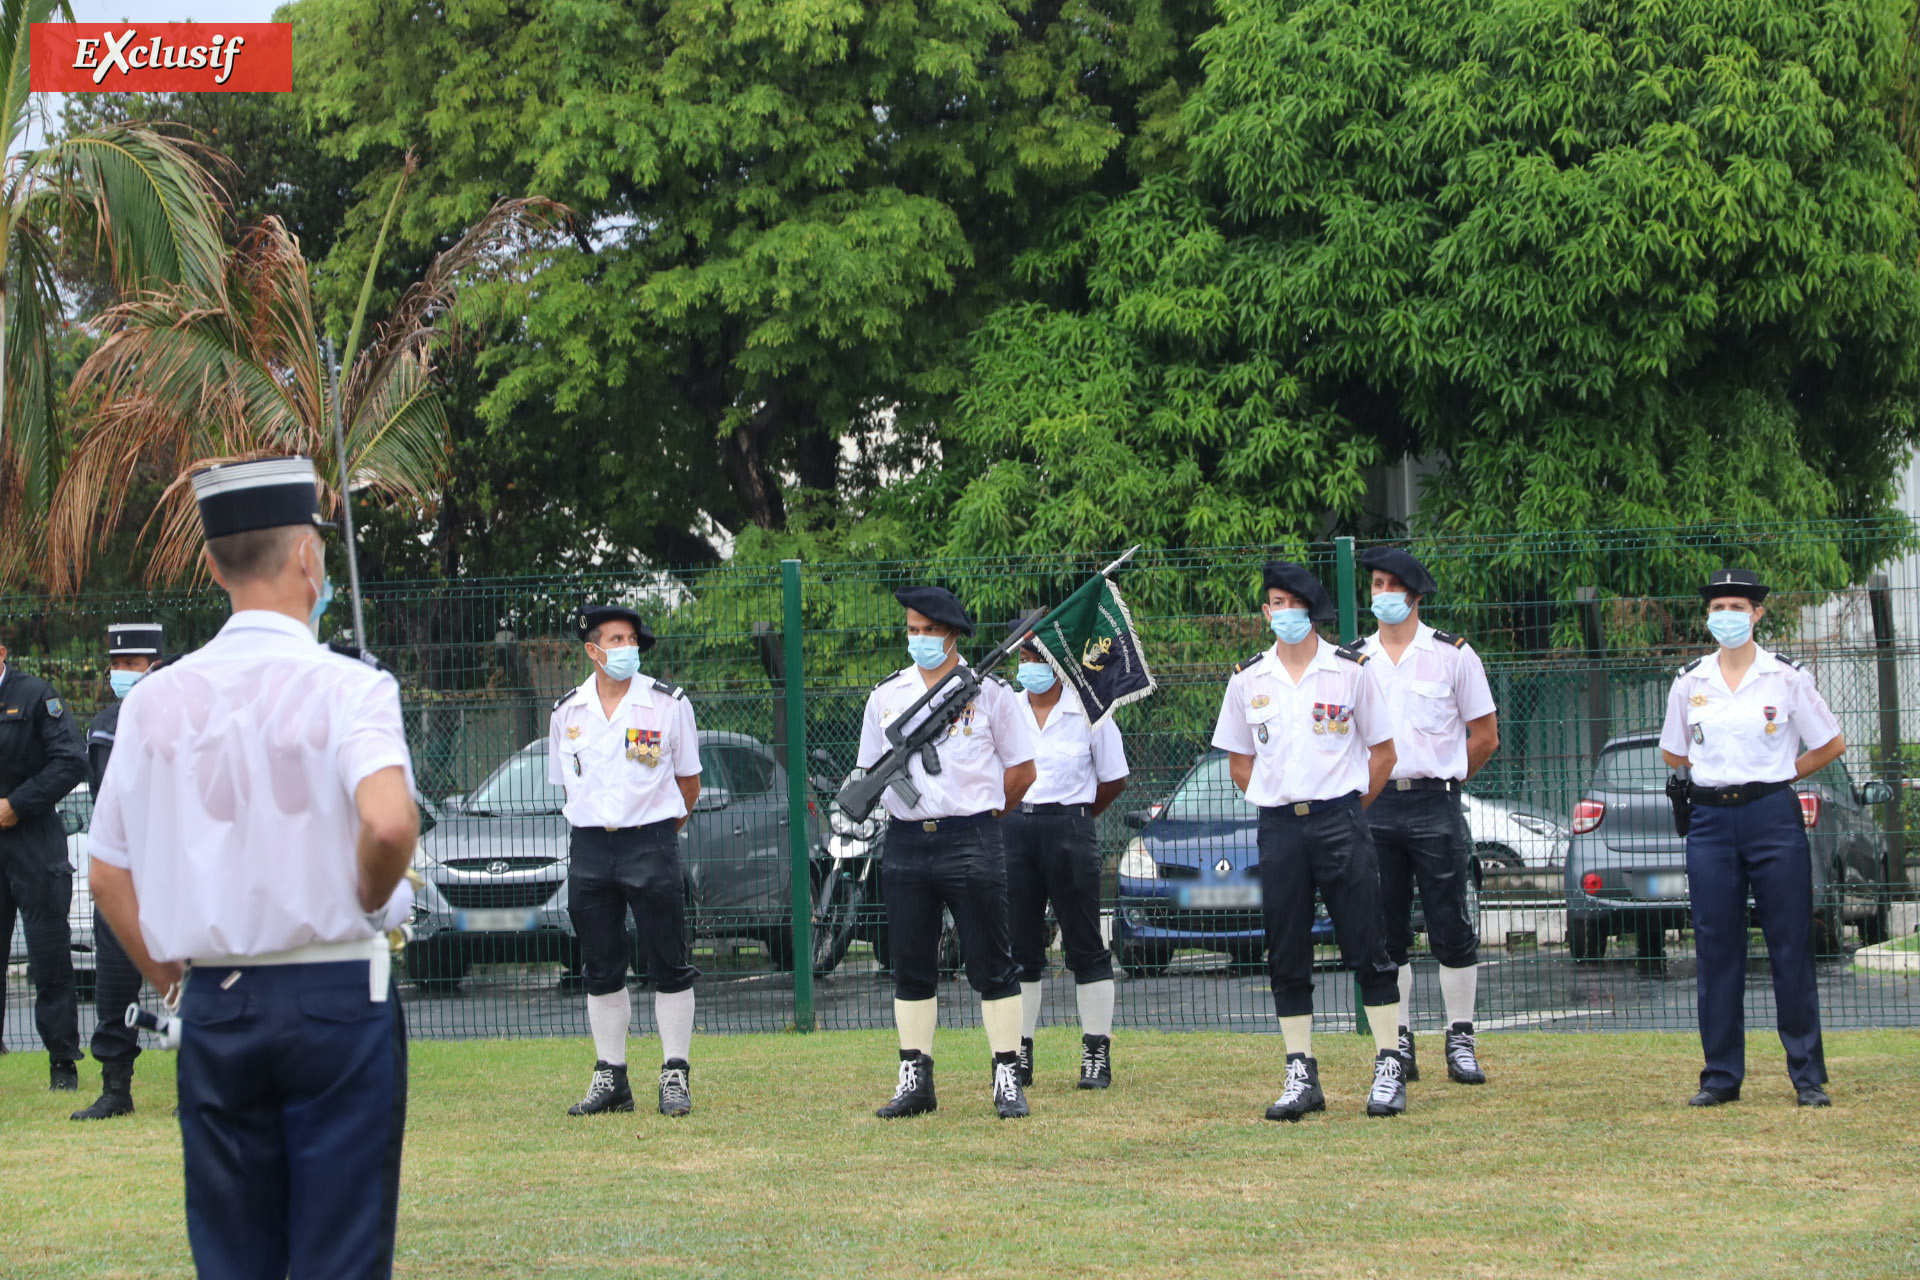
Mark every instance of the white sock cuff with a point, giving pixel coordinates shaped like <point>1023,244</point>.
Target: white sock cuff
<point>609,1017</point>
<point>1031,996</point>
<point>1460,989</point>
<point>1384,1020</point>
<point>674,1014</point>
<point>1297,1031</point>
<point>916,1020</point>
<point>1406,995</point>
<point>1001,1018</point>
<point>1096,1007</point>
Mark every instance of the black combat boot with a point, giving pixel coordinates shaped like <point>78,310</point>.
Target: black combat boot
<point>1712,1097</point>
<point>1406,1052</point>
<point>1463,1065</point>
<point>1388,1097</point>
<point>1096,1062</point>
<point>1009,1099</point>
<point>1301,1093</point>
<point>676,1087</point>
<point>1026,1062</point>
<point>913,1095</point>
<point>116,1093</point>
<point>62,1077</point>
<point>607,1091</point>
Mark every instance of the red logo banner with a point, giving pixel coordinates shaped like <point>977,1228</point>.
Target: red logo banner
<point>161,57</point>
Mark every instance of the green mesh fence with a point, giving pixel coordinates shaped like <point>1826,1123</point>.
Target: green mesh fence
<point>1581,633</point>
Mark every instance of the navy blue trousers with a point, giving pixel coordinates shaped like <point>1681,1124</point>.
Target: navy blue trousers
<point>1759,847</point>
<point>1331,851</point>
<point>116,984</point>
<point>293,1102</point>
<point>1053,857</point>
<point>966,871</point>
<point>637,868</point>
<point>1421,837</point>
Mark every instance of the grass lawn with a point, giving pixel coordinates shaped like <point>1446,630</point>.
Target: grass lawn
<point>1580,1159</point>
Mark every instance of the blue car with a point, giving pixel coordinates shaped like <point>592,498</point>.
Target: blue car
<point>1190,879</point>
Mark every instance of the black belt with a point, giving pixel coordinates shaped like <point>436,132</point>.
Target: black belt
<point>931,825</point>
<point>1069,810</point>
<point>1742,793</point>
<point>1425,784</point>
<point>651,826</point>
<point>1301,808</point>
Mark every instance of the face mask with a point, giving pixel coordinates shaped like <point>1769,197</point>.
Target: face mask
<point>123,681</point>
<point>622,663</point>
<point>927,652</point>
<point>323,596</point>
<point>1036,677</point>
<point>1291,625</point>
<point>1731,629</point>
<point>1391,607</point>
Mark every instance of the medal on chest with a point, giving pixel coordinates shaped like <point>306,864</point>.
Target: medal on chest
<point>964,725</point>
<point>1771,712</point>
<point>1319,717</point>
<point>643,746</point>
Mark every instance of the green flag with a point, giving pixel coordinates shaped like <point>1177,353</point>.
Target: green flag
<point>1091,643</point>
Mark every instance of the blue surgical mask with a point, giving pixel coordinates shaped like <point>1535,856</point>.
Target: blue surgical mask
<point>927,652</point>
<point>1731,629</point>
<point>1391,607</point>
<point>1291,625</point>
<point>320,605</point>
<point>1036,677</point>
<point>622,663</point>
<point>123,681</point>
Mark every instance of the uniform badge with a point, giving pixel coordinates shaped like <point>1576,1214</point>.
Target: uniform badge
<point>1697,700</point>
<point>1771,712</point>
<point>1342,719</point>
<point>1319,717</point>
<point>1260,700</point>
<point>1698,736</point>
<point>1260,731</point>
<point>573,733</point>
<point>643,746</point>
<point>56,708</point>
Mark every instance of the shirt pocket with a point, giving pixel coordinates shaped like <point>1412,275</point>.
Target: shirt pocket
<point>1266,725</point>
<point>1430,706</point>
<point>970,738</point>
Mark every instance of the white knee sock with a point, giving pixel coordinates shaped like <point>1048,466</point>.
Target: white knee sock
<point>674,1013</point>
<point>1096,1007</point>
<point>610,1016</point>
<point>1002,1021</point>
<point>1384,1019</point>
<point>1460,988</point>
<point>916,1019</point>
<point>1030,995</point>
<point>1406,995</point>
<point>1298,1033</point>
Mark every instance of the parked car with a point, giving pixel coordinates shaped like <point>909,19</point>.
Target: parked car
<point>76,813</point>
<point>495,864</point>
<point>1627,870</point>
<point>1510,837</point>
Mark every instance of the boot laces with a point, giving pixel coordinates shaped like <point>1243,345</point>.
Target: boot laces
<point>1093,1060</point>
<point>1406,1043</point>
<point>1460,1048</point>
<point>1006,1080</point>
<point>909,1079</point>
<point>601,1085</point>
<point>673,1086</point>
<point>1296,1087</point>
<point>1386,1079</point>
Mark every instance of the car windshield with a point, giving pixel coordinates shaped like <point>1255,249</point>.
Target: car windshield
<point>1208,795</point>
<point>1636,766</point>
<point>519,786</point>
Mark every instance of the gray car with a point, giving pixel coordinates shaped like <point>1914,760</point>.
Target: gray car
<point>495,864</point>
<point>1627,870</point>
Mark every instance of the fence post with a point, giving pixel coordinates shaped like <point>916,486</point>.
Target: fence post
<point>1599,697</point>
<point>1892,767</point>
<point>798,786</point>
<point>1349,632</point>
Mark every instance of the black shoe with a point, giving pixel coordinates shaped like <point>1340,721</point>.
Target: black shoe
<point>1463,1065</point>
<point>1096,1062</point>
<point>676,1087</point>
<point>1009,1099</point>
<point>1814,1096</point>
<point>1026,1062</point>
<point>1406,1052</point>
<point>63,1077</point>
<point>607,1091</point>
<point>116,1093</point>
<point>1710,1097</point>
<point>913,1095</point>
<point>1302,1091</point>
<point>1388,1097</point>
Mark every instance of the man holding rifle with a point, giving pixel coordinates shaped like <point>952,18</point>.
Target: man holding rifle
<point>943,845</point>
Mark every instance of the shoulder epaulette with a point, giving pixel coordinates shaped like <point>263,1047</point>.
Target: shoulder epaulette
<point>1795,663</point>
<point>358,654</point>
<point>1447,637</point>
<point>1351,652</point>
<point>1691,665</point>
<point>671,690</point>
<point>1244,663</point>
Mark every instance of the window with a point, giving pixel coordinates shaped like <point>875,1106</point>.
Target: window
<point>1208,795</point>
<point>518,787</point>
<point>743,771</point>
<point>1634,767</point>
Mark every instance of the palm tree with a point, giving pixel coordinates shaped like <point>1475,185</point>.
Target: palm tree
<point>183,378</point>
<point>123,200</point>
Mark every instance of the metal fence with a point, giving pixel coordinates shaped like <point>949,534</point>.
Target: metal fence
<point>1581,634</point>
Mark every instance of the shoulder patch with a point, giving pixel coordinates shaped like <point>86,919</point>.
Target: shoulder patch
<point>1447,637</point>
<point>358,654</point>
<point>1351,653</point>
<point>671,690</point>
<point>1244,663</point>
<point>1691,665</point>
<point>1795,663</point>
<point>56,708</point>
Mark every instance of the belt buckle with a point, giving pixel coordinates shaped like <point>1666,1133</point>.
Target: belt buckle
<point>1303,808</point>
<point>929,826</point>
<point>612,829</point>
<point>1403,784</point>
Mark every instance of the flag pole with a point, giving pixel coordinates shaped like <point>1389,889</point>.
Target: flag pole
<point>346,495</point>
<point>1125,556</point>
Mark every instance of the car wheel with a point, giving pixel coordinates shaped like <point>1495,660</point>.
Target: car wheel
<point>1146,959</point>
<point>436,965</point>
<point>1649,936</point>
<point>1499,858</point>
<point>1586,937</point>
<point>1873,928</point>
<point>1828,932</point>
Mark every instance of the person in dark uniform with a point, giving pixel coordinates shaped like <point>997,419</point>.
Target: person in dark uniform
<point>947,851</point>
<point>1444,729</point>
<point>133,649</point>
<point>626,749</point>
<point>257,823</point>
<point>41,759</point>
<point>1736,720</point>
<point>1052,857</point>
<point>1308,740</point>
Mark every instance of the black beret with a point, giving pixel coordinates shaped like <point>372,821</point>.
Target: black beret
<point>937,603</point>
<point>592,615</point>
<point>1401,565</point>
<point>1295,580</point>
<point>1734,582</point>
<point>266,493</point>
<point>134,640</point>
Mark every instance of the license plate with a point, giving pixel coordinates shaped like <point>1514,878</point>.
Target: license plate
<point>1215,897</point>
<point>1672,885</point>
<point>497,920</point>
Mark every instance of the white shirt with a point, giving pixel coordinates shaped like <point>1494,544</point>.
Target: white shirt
<point>1308,741</point>
<point>1070,756</point>
<point>230,800</point>
<point>619,770</point>
<point>991,736</point>
<point>1749,734</point>
<point>1431,694</point>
